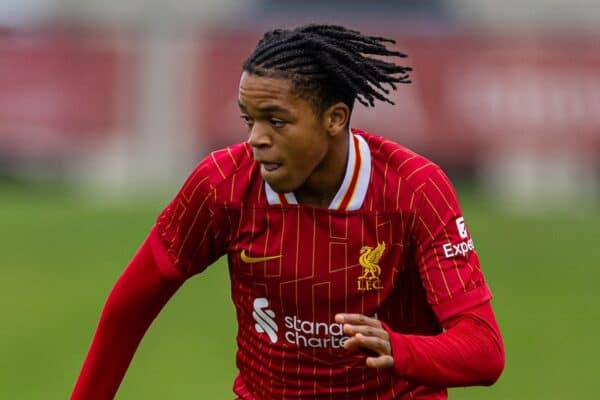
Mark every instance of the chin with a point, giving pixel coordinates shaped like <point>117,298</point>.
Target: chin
<point>280,185</point>
<point>282,188</point>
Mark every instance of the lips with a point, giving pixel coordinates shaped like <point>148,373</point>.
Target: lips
<point>266,164</point>
<point>270,166</point>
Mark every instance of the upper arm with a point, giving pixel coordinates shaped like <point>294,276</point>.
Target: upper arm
<point>445,252</point>
<point>190,231</point>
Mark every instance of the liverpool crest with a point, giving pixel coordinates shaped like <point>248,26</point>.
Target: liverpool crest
<point>369,259</point>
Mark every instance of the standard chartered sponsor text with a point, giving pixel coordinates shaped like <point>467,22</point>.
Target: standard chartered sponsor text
<point>302,333</point>
<point>314,334</point>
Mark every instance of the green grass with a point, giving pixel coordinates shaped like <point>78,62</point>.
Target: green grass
<point>61,255</point>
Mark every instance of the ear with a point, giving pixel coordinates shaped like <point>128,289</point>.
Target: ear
<point>336,118</point>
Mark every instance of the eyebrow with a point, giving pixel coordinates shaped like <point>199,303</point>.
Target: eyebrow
<point>266,109</point>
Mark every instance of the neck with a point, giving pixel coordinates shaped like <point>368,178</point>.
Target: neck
<point>325,181</point>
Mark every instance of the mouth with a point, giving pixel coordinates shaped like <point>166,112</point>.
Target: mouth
<point>270,166</point>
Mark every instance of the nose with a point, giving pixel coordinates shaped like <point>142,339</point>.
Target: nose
<point>259,136</point>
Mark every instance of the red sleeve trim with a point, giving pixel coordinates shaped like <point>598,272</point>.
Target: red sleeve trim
<point>166,266</point>
<point>463,302</point>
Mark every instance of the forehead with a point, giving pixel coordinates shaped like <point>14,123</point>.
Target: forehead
<point>258,91</point>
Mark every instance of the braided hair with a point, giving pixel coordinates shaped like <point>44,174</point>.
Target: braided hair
<point>329,64</point>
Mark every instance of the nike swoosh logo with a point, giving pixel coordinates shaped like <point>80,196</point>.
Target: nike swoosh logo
<point>251,260</point>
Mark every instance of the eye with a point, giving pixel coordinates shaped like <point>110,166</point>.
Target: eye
<point>277,123</point>
<point>247,120</point>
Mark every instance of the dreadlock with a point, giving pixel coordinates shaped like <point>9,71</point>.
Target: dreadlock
<point>328,64</point>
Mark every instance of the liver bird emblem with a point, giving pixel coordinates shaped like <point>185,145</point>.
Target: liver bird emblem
<point>369,259</point>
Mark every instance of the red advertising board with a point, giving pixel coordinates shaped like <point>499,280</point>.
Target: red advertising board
<point>471,94</point>
<point>59,89</point>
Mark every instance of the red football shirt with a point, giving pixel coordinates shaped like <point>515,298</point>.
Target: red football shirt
<point>392,244</point>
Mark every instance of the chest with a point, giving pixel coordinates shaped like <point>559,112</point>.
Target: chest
<point>333,259</point>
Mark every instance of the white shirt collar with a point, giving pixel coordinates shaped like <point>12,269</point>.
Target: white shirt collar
<point>351,194</point>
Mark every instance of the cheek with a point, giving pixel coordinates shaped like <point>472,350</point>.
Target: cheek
<point>310,151</point>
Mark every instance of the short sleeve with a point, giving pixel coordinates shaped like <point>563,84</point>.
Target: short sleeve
<point>445,251</point>
<point>189,234</point>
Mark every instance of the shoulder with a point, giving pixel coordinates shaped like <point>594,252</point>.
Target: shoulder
<point>221,165</point>
<point>392,162</point>
<point>209,185</point>
<point>220,168</point>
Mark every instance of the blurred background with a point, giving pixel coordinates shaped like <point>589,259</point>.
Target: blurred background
<point>105,106</point>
